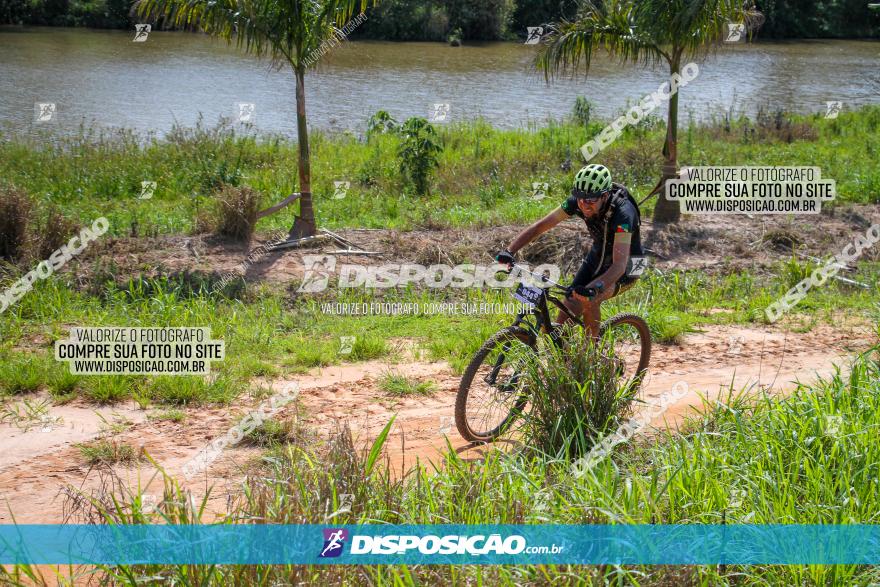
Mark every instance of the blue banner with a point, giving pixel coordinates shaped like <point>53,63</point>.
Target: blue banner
<point>440,544</point>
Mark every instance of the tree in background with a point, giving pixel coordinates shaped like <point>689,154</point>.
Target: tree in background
<point>539,12</point>
<point>435,20</point>
<point>651,32</point>
<point>104,14</point>
<point>291,32</point>
<point>406,20</point>
<point>818,19</point>
<point>481,19</point>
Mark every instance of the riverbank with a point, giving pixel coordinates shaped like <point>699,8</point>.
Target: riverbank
<point>485,176</point>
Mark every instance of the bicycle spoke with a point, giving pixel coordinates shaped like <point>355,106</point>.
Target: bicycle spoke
<point>496,388</point>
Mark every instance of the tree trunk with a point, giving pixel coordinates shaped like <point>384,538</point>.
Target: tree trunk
<point>667,211</point>
<point>304,224</point>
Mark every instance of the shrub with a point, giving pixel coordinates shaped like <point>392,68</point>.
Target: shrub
<point>238,212</point>
<point>418,152</point>
<point>381,123</point>
<point>55,231</point>
<point>582,111</point>
<point>16,210</point>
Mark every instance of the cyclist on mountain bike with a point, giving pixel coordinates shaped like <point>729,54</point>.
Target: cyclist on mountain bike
<point>615,261</point>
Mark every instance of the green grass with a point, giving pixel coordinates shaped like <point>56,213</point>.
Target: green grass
<point>63,385</point>
<point>182,390</point>
<point>810,458</point>
<point>107,452</point>
<point>265,337</point>
<point>271,432</point>
<point>21,374</point>
<point>484,177</point>
<point>170,415</point>
<point>400,385</point>
<point>26,414</point>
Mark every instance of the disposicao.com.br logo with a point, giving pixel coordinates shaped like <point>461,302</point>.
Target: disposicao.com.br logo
<point>453,544</point>
<point>319,269</point>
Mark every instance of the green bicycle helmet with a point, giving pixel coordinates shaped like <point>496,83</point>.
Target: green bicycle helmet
<point>593,178</point>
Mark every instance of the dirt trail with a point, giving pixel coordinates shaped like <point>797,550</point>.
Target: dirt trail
<point>709,362</point>
<point>36,464</point>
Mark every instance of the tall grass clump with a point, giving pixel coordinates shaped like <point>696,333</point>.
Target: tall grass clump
<point>238,207</point>
<point>575,393</point>
<point>54,232</point>
<point>22,373</point>
<point>16,209</point>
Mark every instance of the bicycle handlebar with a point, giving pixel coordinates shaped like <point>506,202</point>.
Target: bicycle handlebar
<point>588,292</point>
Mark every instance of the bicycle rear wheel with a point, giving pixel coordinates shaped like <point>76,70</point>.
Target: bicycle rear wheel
<point>630,338</point>
<point>492,392</point>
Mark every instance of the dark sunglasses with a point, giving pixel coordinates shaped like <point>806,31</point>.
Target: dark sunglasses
<point>587,196</point>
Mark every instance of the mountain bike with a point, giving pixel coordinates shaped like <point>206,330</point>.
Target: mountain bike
<point>493,391</point>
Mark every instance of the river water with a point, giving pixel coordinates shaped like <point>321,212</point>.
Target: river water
<point>102,78</point>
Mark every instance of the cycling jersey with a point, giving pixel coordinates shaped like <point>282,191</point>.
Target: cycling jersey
<point>620,214</point>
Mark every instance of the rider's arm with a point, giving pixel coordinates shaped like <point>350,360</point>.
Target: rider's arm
<point>619,260</point>
<point>537,229</point>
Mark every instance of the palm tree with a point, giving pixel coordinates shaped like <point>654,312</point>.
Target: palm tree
<point>295,32</point>
<point>650,32</point>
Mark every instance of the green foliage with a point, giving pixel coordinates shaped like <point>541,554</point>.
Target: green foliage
<point>822,18</point>
<point>809,458</point>
<point>22,374</point>
<point>401,385</point>
<point>105,170</point>
<point>582,110</point>
<point>109,389</point>
<point>186,390</point>
<point>381,123</point>
<point>105,14</point>
<point>439,20</point>
<point>107,452</point>
<point>64,385</point>
<point>481,19</point>
<point>575,396</point>
<point>170,415</point>
<point>420,20</point>
<point>418,153</point>
<point>405,20</point>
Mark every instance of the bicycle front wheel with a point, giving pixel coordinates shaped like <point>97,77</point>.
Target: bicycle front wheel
<point>492,392</point>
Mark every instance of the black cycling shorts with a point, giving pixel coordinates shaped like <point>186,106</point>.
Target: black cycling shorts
<point>590,270</point>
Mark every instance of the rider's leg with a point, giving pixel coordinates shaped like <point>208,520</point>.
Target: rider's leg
<point>592,317</point>
<point>582,277</point>
<point>592,313</point>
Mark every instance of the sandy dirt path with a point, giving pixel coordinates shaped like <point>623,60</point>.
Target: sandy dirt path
<point>38,463</point>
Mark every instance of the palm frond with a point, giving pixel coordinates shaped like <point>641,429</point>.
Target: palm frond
<point>610,26</point>
<point>285,30</point>
<point>691,28</point>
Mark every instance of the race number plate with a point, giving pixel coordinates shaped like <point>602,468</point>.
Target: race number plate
<point>527,295</point>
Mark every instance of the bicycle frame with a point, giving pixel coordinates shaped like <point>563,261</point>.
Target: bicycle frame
<point>541,310</point>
